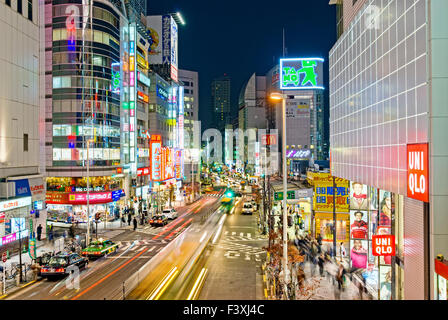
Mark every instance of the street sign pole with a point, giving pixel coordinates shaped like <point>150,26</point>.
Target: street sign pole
<point>4,277</point>
<point>4,258</point>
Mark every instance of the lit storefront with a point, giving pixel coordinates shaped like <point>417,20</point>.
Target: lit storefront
<point>383,134</point>
<point>14,222</point>
<point>67,198</point>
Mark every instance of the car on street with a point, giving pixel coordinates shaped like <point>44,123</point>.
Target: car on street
<point>170,213</point>
<point>99,248</point>
<point>62,264</point>
<point>158,221</point>
<point>248,208</point>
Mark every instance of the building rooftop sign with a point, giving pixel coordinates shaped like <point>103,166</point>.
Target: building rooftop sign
<point>301,73</point>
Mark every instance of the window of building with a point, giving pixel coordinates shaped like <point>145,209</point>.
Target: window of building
<point>30,10</point>
<point>25,142</point>
<point>19,6</point>
<point>8,2</point>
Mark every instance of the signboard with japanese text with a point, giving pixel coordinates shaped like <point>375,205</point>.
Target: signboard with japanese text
<point>301,73</point>
<point>155,146</point>
<point>418,172</point>
<point>16,203</point>
<point>96,197</point>
<point>323,193</point>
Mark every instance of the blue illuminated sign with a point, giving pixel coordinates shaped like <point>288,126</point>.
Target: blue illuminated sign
<point>301,73</point>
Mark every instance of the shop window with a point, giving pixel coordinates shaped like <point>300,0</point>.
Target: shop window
<point>25,142</point>
<point>30,10</point>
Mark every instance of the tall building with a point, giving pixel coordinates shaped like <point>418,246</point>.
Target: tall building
<point>388,119</point>
<point>190,82</point>
<point>220,95</point>
<point>305,122</point>
<point>22,188</point>
<point>252,115</point>
<point>87,109</point>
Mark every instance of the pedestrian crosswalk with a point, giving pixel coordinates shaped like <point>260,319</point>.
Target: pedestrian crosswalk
<point>242,236</point>
<point>244,249</point>
<point>215,194</point>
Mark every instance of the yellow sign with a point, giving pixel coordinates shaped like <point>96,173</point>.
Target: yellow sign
<point>323,193</point>
<point>142,62</point>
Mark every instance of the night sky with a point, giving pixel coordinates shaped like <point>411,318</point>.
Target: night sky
<point>239,37</point>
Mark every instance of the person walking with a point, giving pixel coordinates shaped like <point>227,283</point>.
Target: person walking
<point>72,231</point>
<point>129,219</point>
<point>135,223</point>
<point>342,251</point>
<point>39,232</point>
<point>320,263</point>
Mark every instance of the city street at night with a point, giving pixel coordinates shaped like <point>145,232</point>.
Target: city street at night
<point>223,159</point>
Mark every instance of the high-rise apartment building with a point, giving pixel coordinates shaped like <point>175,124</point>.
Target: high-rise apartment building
<point>220,95</point>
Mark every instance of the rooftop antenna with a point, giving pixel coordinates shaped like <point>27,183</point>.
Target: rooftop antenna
<point>283,42</point>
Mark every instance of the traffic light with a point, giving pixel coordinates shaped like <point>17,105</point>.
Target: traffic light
<point>229,194</point>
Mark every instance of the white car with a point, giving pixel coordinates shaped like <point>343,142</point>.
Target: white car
<point>248,208</point>
<point>170,213</point>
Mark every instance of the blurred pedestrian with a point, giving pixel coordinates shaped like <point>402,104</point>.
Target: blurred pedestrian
<point>135,223</point>
<point>39,232</point>
<point>320,263</point>
<point>129,219</point>
<point>72,231</point>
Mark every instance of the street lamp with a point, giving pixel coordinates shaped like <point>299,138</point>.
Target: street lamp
<point>278,96</point>
<point>178,18</point>
<point>88,187</point>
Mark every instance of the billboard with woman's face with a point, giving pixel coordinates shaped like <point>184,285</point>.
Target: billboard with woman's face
<point>359,227</point>
<point>358,254</point>
<point>385,213</point>
<point>358,196</point>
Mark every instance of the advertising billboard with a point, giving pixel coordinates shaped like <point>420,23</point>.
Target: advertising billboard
<point>173,50</point>
<point>301,73</point>
<point>155,29</point>
<point>155,146</point>
<point>418,171</point>
<point>323,193</point>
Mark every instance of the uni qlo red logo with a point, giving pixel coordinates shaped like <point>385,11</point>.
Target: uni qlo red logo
<point>383,245</point>
<point>418,171</point>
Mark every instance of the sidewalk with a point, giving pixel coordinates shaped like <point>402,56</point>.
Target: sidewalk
<point>326,289</point>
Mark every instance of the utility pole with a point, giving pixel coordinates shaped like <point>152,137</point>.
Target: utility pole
<point>334,216</point>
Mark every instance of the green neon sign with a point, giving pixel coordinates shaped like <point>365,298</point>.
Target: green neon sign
<point>301,73</point>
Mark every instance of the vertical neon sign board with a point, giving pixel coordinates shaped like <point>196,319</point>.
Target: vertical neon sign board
<point>301,73</point>
<point>132,95</point>
<point>155,147</point>
<point>181,118</point>
<point>116,77</point>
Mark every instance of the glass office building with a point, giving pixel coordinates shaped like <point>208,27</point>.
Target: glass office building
<point>388,78</point>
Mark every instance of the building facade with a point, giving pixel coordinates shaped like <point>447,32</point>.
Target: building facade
<point>388,98</point>
<point>220,94</point>
<point>22,189</point>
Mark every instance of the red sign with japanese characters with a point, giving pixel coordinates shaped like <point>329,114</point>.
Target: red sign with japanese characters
<point>418,171</point>
<point>383,245</point>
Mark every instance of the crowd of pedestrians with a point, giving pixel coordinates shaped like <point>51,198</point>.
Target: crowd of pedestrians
<point>325,264</point>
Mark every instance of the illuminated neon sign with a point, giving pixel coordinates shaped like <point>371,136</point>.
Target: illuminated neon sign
<point>142,96</point>
<point>116,77</point>
<point>143,79</point>
<point>156,157</point>
<point>301,73</point>
<point>162,93</point>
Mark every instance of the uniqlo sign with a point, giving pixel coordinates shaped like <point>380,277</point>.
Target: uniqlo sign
<point>383,245</point>
<point>418,171</point>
